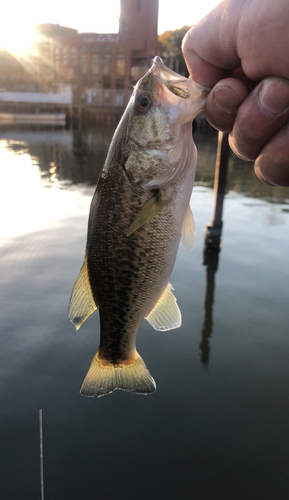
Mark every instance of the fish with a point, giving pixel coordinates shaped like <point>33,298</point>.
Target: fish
<point>139,213</point>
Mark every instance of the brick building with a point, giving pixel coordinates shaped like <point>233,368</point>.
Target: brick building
<point>105,66</point>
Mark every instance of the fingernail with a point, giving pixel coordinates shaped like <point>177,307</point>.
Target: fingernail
<point>226,99</point>
<point>274,95</point>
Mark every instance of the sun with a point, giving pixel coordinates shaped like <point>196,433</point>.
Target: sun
<point>19,40</point>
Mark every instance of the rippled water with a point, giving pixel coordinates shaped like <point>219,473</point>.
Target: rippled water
<point>217,427</point>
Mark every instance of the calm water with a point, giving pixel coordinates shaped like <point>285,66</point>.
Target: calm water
<point>218,425</point>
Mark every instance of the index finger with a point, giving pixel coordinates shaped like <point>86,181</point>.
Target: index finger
<point>209,47</point>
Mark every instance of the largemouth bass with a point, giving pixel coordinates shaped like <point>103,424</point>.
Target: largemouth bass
<point>139,212</point>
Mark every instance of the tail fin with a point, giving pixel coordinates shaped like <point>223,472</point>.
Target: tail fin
<point>103,377</point>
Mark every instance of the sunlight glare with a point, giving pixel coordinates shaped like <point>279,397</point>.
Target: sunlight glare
<point>18,40</point>
<point>17,33</point>
<point>27,204</point>
<point>173,16</point>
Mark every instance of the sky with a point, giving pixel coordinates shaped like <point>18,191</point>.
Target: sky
<point>99,16</point>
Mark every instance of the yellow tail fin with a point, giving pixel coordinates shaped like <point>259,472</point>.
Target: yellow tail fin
<point>103,377</point>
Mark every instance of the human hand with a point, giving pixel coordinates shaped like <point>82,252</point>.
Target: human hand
<point>241,50</point>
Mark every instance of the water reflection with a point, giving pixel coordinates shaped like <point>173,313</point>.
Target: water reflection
<point>89,152</point>
<point>76,157</point>
<point>212,241</point>
<point>241,178</point>
<point>211,260</point>
<point>33,158</point>
<point>231,174</point>
<point>240,406</point>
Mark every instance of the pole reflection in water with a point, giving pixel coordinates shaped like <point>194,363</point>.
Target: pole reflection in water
<point>211,260</point>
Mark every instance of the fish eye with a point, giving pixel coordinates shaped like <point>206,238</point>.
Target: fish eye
<point>142,102</point>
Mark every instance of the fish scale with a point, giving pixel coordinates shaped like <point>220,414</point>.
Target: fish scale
<point>122,266</point>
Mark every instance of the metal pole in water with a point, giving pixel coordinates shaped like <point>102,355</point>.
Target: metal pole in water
<point>213,230</point>
<point>41,455</point>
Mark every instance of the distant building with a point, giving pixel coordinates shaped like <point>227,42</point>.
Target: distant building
<point>96,63</point>
<point>48,30</point>
<point>101,68</point>
<point>16,73</point>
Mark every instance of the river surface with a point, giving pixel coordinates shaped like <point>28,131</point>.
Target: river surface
<point>218,425</point>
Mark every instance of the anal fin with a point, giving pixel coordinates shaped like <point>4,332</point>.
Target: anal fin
<point>166,314</point>
<point>81,303</point>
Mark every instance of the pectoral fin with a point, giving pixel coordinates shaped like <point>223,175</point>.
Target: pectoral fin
<point>166,314</point>
<point>188,230</point>
<point>82,302</point>
<point>147,212</point>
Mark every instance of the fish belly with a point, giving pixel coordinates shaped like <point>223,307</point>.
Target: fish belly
<point>127,274</point>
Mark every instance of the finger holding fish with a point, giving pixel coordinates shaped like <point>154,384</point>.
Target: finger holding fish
<point>257,123</point>
<point>260,116</point>
<point>236,48</point>
<point>223,103</point>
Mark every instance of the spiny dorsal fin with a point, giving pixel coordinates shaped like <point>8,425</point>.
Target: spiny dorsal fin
<point>166,314</point>
<point>188,230</point>
<point>147,212</point>
<point>81,303</point>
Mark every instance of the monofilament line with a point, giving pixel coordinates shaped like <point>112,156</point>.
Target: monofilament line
<point>41,454</point>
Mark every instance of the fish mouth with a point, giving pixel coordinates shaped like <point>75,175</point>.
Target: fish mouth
<point>177,84</point>
<point>161,71</point>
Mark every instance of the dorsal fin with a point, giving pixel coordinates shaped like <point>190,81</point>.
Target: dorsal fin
<point>188,229</point>
<point>81,303</point>
<point>166,314</point>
